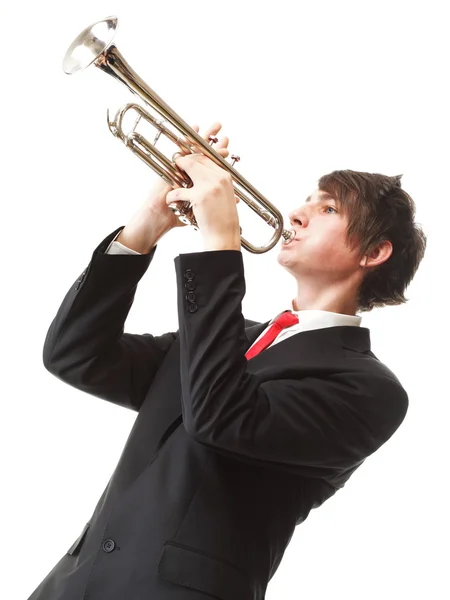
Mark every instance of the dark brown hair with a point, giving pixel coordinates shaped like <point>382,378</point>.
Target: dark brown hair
<point>379,209</point>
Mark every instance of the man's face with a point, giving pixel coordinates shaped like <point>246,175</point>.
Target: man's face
<point>319,248</point>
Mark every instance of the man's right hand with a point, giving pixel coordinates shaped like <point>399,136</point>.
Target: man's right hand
<point>156,199</point>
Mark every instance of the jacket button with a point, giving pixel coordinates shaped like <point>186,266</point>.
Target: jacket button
<point>190,297</point>
<point>192,307</point>
<point>189,274</point>
<point>109,545</point>
<point>189,285</point>
<point>79,281</point>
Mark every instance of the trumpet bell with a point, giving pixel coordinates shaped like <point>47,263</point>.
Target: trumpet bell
<point>89,45</point>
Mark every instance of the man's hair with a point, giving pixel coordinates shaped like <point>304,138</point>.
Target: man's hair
<point>378,209</point>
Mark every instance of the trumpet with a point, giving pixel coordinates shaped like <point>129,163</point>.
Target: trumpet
<point>95,46</point>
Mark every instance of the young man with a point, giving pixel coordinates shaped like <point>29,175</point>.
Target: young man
<point>234,441</point>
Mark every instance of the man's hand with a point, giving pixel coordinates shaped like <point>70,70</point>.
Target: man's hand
<point>156,199</point>
<point>213,201</point>
<point>154,219</point>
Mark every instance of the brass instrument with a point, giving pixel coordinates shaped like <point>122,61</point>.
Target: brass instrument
<point>94,46</point>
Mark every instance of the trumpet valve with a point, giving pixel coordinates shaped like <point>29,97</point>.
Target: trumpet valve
<point>159,125</point>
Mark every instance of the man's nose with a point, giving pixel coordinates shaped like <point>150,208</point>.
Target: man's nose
<point>298,217</point>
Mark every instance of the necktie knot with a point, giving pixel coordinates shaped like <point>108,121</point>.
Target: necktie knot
<point>286,319</point>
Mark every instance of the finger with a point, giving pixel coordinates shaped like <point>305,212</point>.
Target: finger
<point>212,130</point>
<point>224,152</point>
<point>178,195</point>
<point>220,147</point>
<point>222,143</point>
<point>195,164</point>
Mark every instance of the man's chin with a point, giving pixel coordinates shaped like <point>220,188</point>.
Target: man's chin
<point>283,258</point>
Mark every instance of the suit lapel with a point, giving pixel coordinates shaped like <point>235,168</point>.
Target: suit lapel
<point>255,331</point>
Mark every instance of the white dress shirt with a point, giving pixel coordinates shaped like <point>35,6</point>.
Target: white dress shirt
<point>307,319</point>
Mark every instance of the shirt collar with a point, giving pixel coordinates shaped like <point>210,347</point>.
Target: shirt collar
<point>317,319</point>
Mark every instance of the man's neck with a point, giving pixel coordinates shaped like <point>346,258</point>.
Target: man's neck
<point>331,300</point>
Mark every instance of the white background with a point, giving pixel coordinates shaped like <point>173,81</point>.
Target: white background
<point>301,88</point>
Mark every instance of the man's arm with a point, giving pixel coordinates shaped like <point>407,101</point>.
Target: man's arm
<point>319,421</point>
<point>85,345</point>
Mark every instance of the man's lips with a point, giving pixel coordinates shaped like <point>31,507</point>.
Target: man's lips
<point>292,241</point>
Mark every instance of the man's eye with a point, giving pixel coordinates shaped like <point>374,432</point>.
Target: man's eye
<point>332,208</point>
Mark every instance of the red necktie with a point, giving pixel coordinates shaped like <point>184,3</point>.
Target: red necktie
<point>286,319</point>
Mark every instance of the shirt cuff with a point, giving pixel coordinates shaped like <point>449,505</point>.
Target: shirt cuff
<point>118,248</point>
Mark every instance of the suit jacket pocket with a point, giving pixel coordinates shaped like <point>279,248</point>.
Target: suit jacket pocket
<point>187,567</point>
<point>76,546</point>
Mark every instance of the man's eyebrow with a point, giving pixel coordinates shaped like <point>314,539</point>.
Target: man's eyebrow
<point>323,197</point>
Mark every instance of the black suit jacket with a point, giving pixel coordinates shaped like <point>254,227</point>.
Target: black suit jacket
<point>226,456</point>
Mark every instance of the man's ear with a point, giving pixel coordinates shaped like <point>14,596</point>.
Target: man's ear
<point>378,255</point>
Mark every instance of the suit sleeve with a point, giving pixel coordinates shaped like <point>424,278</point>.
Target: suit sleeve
<point>323,422</point>
<point>86,346</point>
